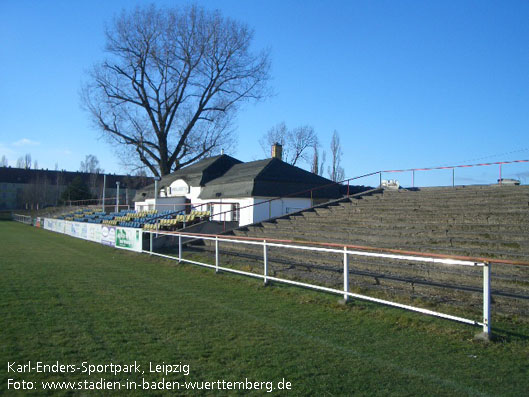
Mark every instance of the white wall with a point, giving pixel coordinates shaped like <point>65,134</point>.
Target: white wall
<point>271,209</point>
<point>249,212</point>
<point>223,208</point>
<point>162,204</point>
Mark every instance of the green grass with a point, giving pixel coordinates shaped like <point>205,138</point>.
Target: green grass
<point>68,300</point>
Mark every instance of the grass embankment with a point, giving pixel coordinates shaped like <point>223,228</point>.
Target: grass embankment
<point>68,300</point>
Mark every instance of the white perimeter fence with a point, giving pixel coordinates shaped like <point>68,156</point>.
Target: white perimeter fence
<point>131,239</point>
<point>331,248</point>
<point>23,219</point>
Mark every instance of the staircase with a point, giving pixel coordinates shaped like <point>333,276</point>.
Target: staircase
<point>480,221</point>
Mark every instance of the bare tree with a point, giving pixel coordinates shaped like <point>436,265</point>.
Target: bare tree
<point>276,134</point>
<point>318,165</point>
<point>172,84</point>
<point>336,172</point>
<point>35,165</point>
<point>295,142</point>
<point>4,162</point>
<point>24,162</point>
<point>27,161</point>
<point>91,165</point>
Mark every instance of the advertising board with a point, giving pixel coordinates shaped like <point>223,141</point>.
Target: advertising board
<point>93,232</point>
<point>108,235</point>
<point>129,238</point>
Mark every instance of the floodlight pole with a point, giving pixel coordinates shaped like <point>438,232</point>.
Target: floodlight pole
<point>117,196</point>
<point>104,188</point>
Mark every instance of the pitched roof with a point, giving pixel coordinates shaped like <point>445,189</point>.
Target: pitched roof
<point>197,174</point>
<point>268,178</point>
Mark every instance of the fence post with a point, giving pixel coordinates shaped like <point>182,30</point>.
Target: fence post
<point>265,263</point>
<point>345,275</point>
<point>485,335</point>
<point>413,178</point>
<point>453,177</point>
<point>380,177</point>
<point>179,248</point>
<point>150,241</point>
<point>486,298</point>
<point>501,182</point>
<point>216,254</point>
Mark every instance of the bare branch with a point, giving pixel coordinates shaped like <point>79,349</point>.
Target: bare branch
<point>336,172</point>
<point>173,81</point>
<point>295,142</point>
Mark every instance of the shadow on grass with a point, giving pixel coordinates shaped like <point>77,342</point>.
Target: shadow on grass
<point>509,336</point>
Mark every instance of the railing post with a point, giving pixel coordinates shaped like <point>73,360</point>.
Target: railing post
<point>486,298</point>
<point>453,177</point>
<point>412,178</point>
<point>485,335</point>
<point>179,248</point>
<point>380,177</point>
<point>150,241</point>
<point>216,254</point>
<point>348,188</point>
<point>265,263</point>
<point>500,176</point>
<point>345,275</point>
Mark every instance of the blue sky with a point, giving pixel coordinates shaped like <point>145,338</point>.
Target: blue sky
<point>405,83</point>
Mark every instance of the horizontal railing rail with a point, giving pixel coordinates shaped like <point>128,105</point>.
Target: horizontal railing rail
<point>445,167</point>
<point>360,248</point>
<point>347,251</point>
<point>453,168</point>
<point>23,219</point>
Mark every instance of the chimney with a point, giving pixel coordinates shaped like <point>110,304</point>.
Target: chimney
<point>277,151</point>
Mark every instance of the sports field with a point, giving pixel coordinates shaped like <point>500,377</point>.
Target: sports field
<point>71,303</point>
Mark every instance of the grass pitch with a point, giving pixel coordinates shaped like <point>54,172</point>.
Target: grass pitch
<point>70,301</point>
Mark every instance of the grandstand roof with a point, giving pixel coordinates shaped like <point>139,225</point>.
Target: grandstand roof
<point>226,177</point>
<point>267,178</point>
<point>197,174</point>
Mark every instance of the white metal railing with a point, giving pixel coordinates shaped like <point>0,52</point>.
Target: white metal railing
<point>23,219</point>
<point>346,251</point>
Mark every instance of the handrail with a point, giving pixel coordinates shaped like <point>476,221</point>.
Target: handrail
<point>357,247</point>
<point>458,166</point>
<point>98,201</point>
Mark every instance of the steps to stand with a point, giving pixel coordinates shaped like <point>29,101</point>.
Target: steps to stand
<point>477,221</point>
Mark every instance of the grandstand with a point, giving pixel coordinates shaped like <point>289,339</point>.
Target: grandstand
<point>147,220</point>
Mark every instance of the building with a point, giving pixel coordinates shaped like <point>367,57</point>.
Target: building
<point>21,188</point>
<point>235,191</point>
